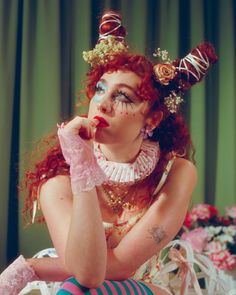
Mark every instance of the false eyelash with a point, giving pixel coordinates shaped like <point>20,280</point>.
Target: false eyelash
<point>126,96</point>
<point>98,88</point>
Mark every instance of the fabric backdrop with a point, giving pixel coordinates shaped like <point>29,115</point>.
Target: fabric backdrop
<point>41,73</point>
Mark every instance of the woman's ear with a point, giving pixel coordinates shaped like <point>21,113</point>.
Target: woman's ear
<point>154,120</point>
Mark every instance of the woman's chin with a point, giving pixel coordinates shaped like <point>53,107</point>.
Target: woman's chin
<point>100,136</point>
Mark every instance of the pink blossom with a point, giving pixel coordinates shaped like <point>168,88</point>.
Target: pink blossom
<point>223,260</point>
<point>214,247</point>
<point>203,212</point>
<point>224,220</point>
<point>188,220</point>
<point>231,211</point>
<point>197,238</point>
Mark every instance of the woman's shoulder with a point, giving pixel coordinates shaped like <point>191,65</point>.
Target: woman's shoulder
<point>57,182</point>
<point>178,183</point>
<point>182,176</point>
<point>56,187</point>
<point>175,170</point>
<point>175,161</point>
<point>183,165</point>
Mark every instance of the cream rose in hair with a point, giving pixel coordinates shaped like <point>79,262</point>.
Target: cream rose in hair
<point>164,73</point>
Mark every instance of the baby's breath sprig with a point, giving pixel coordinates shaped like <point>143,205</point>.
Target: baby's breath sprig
<point>163,54</point>
<point>173,102</point>
<point>104,51</point>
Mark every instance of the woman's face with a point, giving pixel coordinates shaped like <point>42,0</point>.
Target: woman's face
<point>116,101</point>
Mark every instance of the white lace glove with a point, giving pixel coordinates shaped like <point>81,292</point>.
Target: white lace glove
<point>84,170</point>
<point>15,277</point>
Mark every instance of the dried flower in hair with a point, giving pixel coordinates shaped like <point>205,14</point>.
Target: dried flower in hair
<point>173,102</point>
<point>164,73</point>
<point>163,54</point>
<point>104,51</point>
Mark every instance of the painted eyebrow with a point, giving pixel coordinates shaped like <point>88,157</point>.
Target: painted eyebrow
<point>119,84</point>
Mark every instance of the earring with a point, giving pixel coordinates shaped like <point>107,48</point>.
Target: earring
<point>146,133</point>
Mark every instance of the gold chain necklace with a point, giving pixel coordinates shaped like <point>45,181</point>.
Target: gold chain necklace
<point>118,202</point>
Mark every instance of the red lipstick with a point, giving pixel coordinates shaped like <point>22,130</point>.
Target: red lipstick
<point>102,122</point>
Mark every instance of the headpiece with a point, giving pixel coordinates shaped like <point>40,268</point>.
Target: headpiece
<point>111,40</point>
<point>179,75</point>
<point>173,78</point>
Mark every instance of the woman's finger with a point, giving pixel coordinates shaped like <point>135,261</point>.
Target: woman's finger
<point>94,122</point>
<point>77,125</point>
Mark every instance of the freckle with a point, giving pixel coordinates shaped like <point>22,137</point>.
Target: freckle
<point>121,113</point>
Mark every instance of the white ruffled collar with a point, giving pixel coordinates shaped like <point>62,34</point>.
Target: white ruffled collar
<point>128,173</point>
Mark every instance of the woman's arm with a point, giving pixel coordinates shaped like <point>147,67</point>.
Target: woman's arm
<point>70,207</point>
<point>75,226</point>
<point>86,242</point>
<point>158,226</point>
<point>86,249</point>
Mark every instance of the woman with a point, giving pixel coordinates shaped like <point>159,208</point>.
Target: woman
<point>124,168</point>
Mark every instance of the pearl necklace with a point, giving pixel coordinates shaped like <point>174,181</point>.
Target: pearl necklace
<point>129,173</point>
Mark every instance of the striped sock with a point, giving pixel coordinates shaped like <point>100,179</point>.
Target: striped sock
<point>128,287</point>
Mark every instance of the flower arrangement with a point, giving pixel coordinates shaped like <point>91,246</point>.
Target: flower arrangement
<point>212,234</point>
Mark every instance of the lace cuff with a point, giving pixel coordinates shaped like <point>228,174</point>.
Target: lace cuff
<point>84,169</point>
<point>16,276</point>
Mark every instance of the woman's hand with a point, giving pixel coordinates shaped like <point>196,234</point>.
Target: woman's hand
<point>84,170</point>
<point>70,136</point>
<point>83,127</point>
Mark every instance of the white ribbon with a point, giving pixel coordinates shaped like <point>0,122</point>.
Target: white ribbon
<point>187,278</point>
<point>113,19</point>
<point>200,64</point>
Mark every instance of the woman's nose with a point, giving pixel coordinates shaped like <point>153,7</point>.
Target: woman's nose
<point>105,105</point>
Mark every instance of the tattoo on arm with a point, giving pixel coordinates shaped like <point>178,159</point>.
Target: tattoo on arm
<point>157,233</point>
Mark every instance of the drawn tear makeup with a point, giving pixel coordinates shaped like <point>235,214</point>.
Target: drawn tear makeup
<point>120,98</point>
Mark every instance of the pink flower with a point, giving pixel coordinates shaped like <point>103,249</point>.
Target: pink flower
<point>231,212</point>
<point>224,220</point>
<point>214,247</point>
<point>223,260</point>
<point>197,238</point>
<point>188,220</point>
<point>213,211</point>
<point>203,212</point>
